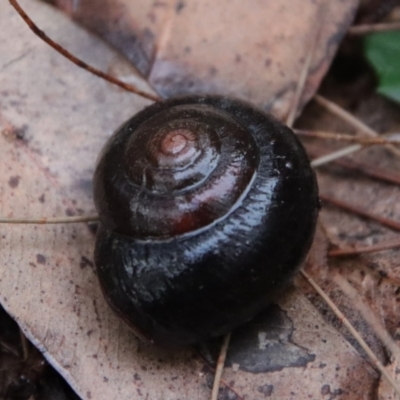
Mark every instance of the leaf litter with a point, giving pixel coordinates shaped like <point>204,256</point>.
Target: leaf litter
<point>306,334</point>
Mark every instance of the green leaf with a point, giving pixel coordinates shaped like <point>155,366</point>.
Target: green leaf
<point>383,52</point>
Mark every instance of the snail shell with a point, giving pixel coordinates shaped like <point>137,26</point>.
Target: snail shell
<point>208,206</point>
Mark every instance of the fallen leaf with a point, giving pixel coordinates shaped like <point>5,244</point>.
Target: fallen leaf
<point>51,136</point>
<point>54,120</point>
<point>254,51</point>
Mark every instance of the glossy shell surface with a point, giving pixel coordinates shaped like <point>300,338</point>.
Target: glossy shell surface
<point>208,207</point>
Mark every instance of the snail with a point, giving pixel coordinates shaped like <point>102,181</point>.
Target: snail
<point>207,208</point>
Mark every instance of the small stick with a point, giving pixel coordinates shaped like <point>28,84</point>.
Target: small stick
<point>335,155</point>
<point>24,345</point>
<point>345,115</point>
<point>363,213</point>
<point>58,220</point>
<point>212,369</point>
<point>352,120</point>
<point>370,170</point>
<point>368,315</point>
<point>369,28</point>
<point>220,366</point>
<point>77,61</point>
<point>365,249</point>
<point>352,330</point>
<point>344,137</point>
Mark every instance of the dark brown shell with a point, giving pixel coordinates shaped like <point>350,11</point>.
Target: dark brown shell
<point>187,256</point>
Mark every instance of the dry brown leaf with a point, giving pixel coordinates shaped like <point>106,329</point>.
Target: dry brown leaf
<point>54,119</point>
<point>375,276</point>
<point>53,124</point>
<point>254,50</point>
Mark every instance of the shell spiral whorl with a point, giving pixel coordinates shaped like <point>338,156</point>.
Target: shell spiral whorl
<point>207,208</point>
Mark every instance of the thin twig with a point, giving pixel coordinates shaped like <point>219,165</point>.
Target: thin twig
<point>372,171</point>
<point>58,220</point>
<point>361,212</point>
<point>344,137</point>
<point>81,64</point>
<point>352,330</point>
<point>345,115</point>
<point>212,369</point>
<point>368,315</point>
<point>24,345</point>
<point>369,28</point>
<point>220,366</point>
<point>335,155</point>
<point>352,120</point>
<point>364,249</point>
